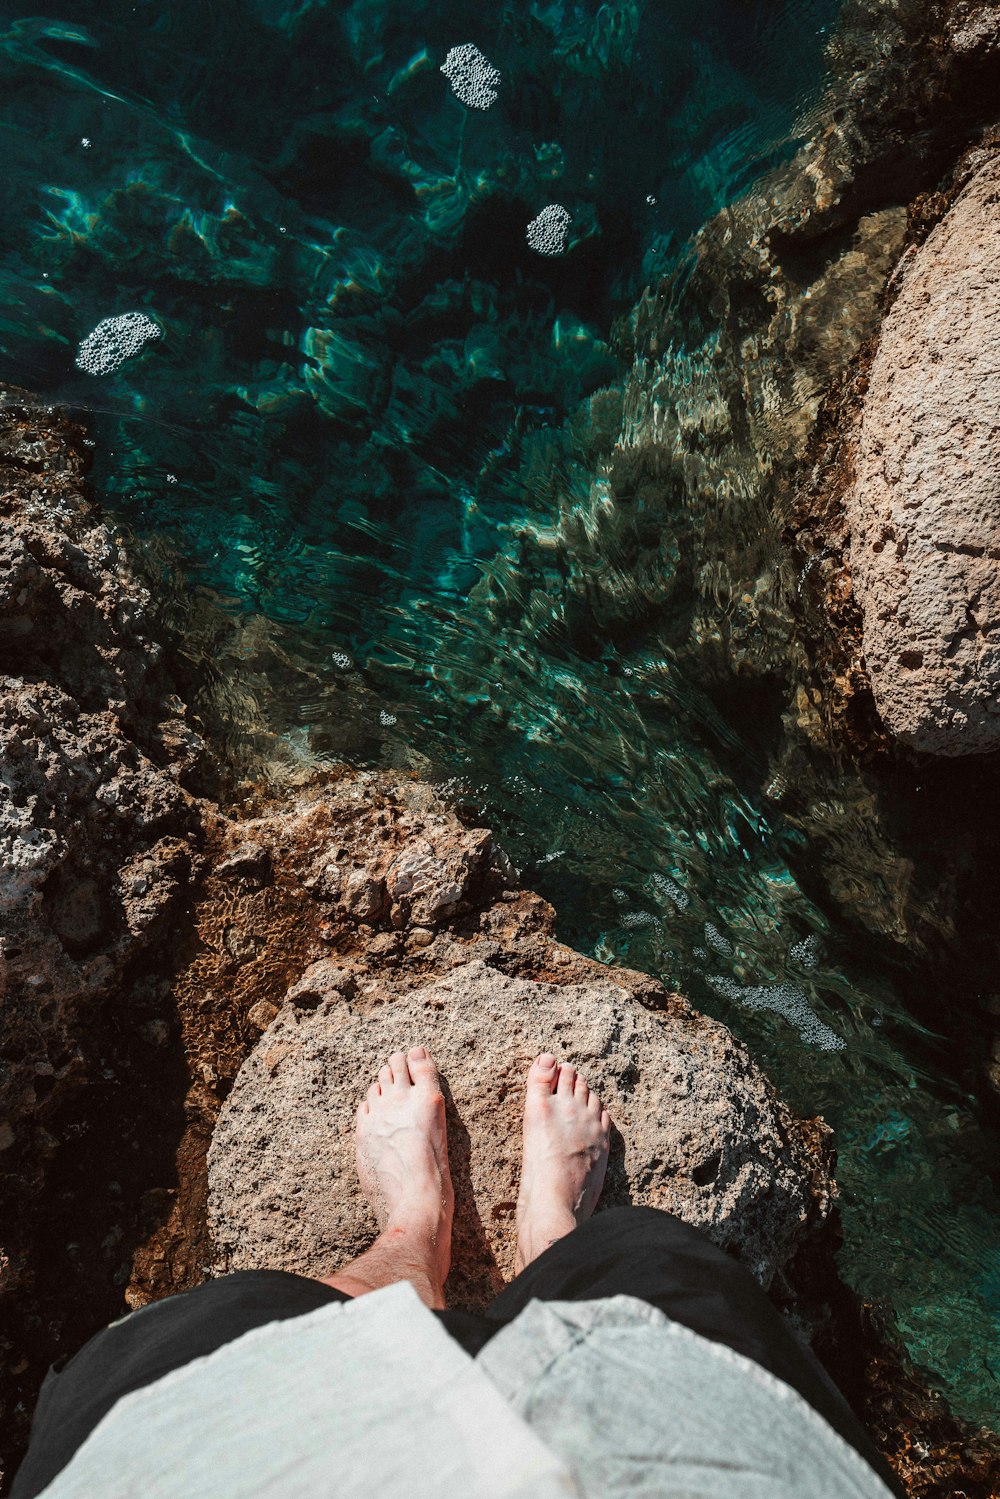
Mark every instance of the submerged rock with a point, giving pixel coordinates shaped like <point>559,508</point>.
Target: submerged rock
<point>698,1129</point>
<point>924,511</point>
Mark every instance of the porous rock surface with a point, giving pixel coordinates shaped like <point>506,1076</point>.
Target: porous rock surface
<point>698,1130</point>
<point>97,833</point>
<point>924,511</point>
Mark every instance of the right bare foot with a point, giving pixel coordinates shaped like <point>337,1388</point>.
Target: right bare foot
<point>567,1132</point>
<point>402,1155</point>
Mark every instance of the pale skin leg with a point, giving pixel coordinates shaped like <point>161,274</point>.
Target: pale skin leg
<point>567,1132</point>
<point>402,1157</point>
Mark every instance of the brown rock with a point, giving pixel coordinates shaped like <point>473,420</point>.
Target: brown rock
<point>699,1130</point>
<point>924,512</point>
<point>96,834</point>
<point>321,980</point>
<point>261,1014</point>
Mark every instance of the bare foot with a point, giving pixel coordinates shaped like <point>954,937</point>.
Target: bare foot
<point>402,1154</point>
<point>566,1136</point>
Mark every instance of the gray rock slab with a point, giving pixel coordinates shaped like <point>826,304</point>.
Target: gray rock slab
<point>924,512</point>
<point>698,1129</point>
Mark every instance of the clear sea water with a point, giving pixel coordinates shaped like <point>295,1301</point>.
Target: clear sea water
<point>355,430</point>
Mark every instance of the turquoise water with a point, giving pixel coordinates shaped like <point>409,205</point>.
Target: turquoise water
<point>372,418</point>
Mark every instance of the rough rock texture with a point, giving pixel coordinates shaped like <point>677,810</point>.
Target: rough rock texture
<point>96,829</point>
<point>98,835</point>
<point>924,511</point>
<point>699,1131</point>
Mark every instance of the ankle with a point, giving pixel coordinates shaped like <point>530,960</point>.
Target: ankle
<point>536,1233</point>
<point>420,1249</point>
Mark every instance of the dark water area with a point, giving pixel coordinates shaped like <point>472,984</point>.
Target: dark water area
<point>368,406</point>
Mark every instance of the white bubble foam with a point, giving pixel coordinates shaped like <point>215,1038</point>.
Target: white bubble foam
<point>386,719</point>
<point>672,891</point>
<point>639,918</point>
<point>341,659</point>
<point>472,76</point>
<point>113,341</point>
<point>806,952</point>
<point>717,942</point>
<point>547,233</point>
<point>787,1000</point>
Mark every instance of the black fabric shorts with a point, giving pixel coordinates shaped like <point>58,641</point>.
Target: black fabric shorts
<point>624,1251</point>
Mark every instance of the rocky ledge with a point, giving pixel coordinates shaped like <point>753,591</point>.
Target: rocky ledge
<point>447,951</point>
<point>98,835</point>
<point>154,944</point>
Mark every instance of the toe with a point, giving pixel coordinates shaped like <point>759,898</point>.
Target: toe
<point>605,1121</point>
<point>374,1094</point>
<point>363,1109</point>
<point>400,1071</point>
<point>385,1078</point>
<point>543,1072</point>
<point>594,1104</point>
<point>581,1089</point>
<point>567,1080</point>
<point>423,1069</point>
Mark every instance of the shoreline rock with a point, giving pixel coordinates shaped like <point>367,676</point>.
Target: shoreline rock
<point>98,834</point>
<point>702,1134</point>
<point>924,509</point>
<point>202,922</point>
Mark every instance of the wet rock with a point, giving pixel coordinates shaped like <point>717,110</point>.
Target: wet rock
<point>924,511</point>
<point>700,1131</point>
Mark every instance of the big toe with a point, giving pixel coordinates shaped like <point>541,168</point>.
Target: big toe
<point>423,1068</point>
<point>543,1072</point>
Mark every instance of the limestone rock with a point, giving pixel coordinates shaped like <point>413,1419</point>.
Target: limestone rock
<point>699,1130</point>
<point>97,833</point>
<point>924,512</point>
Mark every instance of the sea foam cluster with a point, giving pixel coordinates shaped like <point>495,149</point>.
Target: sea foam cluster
<point>717,942</point>
<point>787,1000</point>
<point>806,952</point>
<point>672,891</point>
<point>473,77</point>
<point>547,233</point>
<point>113,341</point>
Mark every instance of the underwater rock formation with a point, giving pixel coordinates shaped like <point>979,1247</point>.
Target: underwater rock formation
<point>924,510</point>
<point>702,1133</point>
